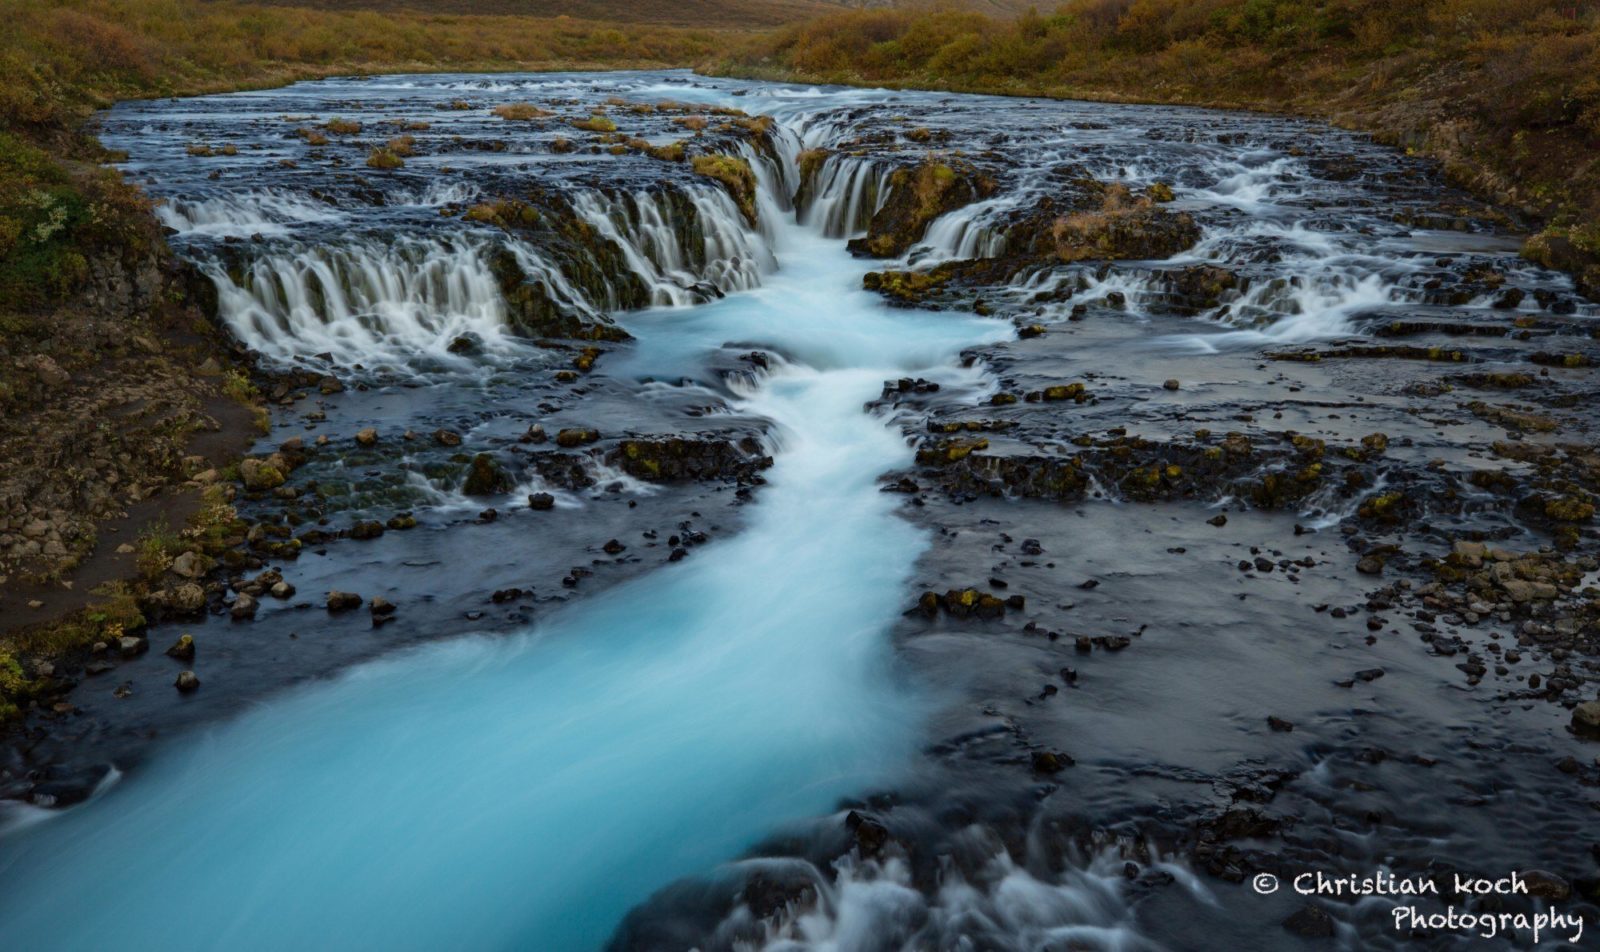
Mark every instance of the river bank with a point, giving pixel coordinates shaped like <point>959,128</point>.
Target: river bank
<point>1203,507</point>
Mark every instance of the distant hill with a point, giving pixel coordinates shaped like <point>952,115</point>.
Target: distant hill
<point>731,14</point>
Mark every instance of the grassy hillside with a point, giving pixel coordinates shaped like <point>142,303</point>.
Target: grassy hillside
<point>1506,93</point>
<point>740,14</point>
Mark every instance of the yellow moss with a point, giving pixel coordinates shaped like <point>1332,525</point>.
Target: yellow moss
<point>735,175</point>
<point>520,111</point>
<point>384,159</point>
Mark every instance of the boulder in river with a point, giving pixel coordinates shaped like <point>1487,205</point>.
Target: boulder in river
<point>485,477</point>
<point>244,607</point>
<point>1586,719</point>
<point>576,436</point>
<point>343,601</point>
<point>186,682</point>
<point>182,649</point>
<point>382,609</point>
<point>189,565</point>
<point>259,474</point>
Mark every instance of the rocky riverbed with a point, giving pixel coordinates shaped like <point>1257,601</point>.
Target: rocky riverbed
<point>1085,510</point>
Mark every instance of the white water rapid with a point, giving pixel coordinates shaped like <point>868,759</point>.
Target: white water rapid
<point>524,792</point>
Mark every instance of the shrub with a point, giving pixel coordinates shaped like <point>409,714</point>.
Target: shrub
<point>382,158</point>
<point>520,110</point>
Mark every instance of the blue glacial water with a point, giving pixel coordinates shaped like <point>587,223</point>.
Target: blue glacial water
<point>525,792</point>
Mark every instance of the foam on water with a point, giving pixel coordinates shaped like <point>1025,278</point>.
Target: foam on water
<point>525,792</point>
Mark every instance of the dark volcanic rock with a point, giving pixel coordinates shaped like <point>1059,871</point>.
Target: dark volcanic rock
<point>485,477</point>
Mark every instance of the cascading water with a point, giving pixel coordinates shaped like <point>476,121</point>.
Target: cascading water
<point>526,792</point>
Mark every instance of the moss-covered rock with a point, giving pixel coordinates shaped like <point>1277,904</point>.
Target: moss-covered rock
<point>917,196</point>
<point>735,175</point>
<point>485,477</point>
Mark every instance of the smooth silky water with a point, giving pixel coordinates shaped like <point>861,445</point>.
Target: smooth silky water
<point>525,792</point>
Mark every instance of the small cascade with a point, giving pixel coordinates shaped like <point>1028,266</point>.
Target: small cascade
<point>686,245</point>
<point>846,193</point>
<point>975,231</point>
<point>365,301</point>
<point>267,213</point>
<point>377,301</point>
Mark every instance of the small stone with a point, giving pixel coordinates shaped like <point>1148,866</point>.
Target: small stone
<point>446,438</point>
<point>1219,520</point>
<point>187,598</point>
<point>541,501</point>
<point>282,590</point>
<point>381,607</point>
<point>189,565</point>
<point>1279,724</point>
<point>129,646</point>
<point>367,437</point>
<point>1170,384</point>
<point>1586,719</point>
<point>186,682</point>
<point>243,607</point>
<point>343,601</point>
<point>576,436</point>
<point>1370,565</point>
<point>182,649</point>
<point>613,547</point>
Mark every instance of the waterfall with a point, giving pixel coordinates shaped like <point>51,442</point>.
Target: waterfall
<point>362,301</point>
<point>848,191</point>
<point>687,245</point>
